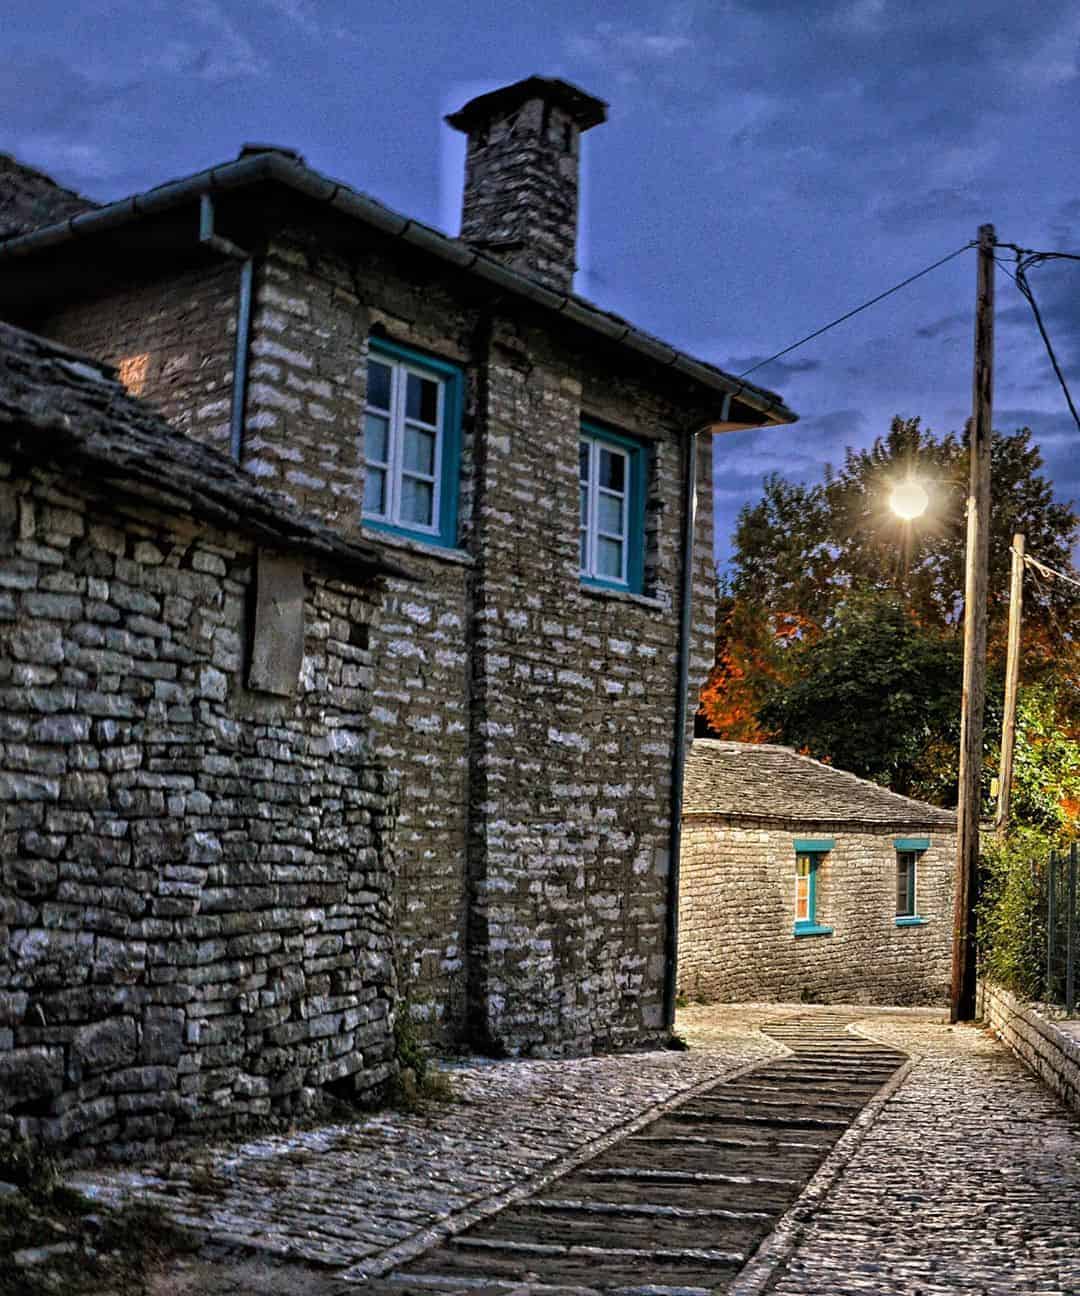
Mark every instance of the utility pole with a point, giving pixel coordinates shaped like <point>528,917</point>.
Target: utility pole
<point>962,999</point>
<point>1012,678</point>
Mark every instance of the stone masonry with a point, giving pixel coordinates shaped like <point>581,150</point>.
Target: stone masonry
<point>737,906</point>
<point>196,906</point>
<point>529,716</point>
<point>745,808</point>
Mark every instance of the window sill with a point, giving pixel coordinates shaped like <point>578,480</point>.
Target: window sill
<point>812,929</point>
<point>625,596</point>
<point>914,921</point>
<point>413,544</point>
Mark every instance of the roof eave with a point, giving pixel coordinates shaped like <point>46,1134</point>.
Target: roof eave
<point>299,177</point>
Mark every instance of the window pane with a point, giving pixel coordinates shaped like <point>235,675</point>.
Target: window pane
<point>419,453</point>
<point>609,558</point>
<point>905,884</point>
<point>378,385</point>
<point>584,564</point>
<point>610,513</point>
<point>376,430</point>
<point>375,491</point>
<point>421,399</point>
<point>584,492</point>
<point>802,899</point>
<point>802,866</point>
<point>583,461</point>
<point>417,500</point>
<point>612,469</point>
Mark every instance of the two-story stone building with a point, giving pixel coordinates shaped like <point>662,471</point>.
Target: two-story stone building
<point>546,468</point>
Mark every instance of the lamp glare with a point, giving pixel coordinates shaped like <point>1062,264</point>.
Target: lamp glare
<point>908,500</point>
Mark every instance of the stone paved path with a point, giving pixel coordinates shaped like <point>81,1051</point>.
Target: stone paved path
<point>344,1195</point>
<point>967,1181</point>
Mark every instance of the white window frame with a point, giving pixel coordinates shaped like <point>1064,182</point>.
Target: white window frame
<point>590,527</point>
<point>393,465</point>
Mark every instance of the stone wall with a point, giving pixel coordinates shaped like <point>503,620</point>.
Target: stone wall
<point>196,922</point>
<point>1050,1049</point>
<point>529,717</point>
<point>172,338</point>
<point>737,915</point>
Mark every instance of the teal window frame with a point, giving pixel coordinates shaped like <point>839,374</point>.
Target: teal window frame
<point>909,849</point>
<point>443,533</point>
<point>637,456</point>
<point>815,850</point>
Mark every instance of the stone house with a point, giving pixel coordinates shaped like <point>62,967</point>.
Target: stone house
<point>545,467</point>
<point>196,839</point>
<point>800,881</point>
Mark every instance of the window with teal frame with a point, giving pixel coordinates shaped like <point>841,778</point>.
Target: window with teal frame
<point>612,470</point>
<point>908,852</point>
<point>808,860</point>
<point>412,443</point>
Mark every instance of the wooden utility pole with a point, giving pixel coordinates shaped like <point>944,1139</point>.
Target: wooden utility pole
<point>1012,679</point>
<point>962,999</point>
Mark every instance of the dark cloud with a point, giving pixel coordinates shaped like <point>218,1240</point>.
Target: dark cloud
<point>946,324</point>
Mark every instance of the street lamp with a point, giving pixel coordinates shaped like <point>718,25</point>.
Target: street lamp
<point>909,500</point>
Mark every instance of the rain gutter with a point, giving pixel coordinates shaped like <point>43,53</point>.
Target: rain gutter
<point>282,169</point>
<point>226,247</point>
<point>678,760</point>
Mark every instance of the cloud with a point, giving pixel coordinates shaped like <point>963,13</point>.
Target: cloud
<point>946,324</point>
<point>228,55</point>
<point>775,370</point>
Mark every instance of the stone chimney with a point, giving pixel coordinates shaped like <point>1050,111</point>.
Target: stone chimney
<point>521,175</point>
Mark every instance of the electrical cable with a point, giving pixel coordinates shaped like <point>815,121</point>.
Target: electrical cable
<point>1042,568</point>
<point>872,302</point>
<point>1021,280</point>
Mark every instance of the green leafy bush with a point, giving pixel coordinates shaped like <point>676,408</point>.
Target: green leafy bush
<point>1012,911</point>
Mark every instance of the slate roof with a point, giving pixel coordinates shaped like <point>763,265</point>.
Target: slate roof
<point>59,406</point>
<point>762,781</point>
<point>29,199</point>
<point>262,164</point>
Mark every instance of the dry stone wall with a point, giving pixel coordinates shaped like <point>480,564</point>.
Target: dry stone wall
<point>172,338</point>
<point>737,915</point>
<point>196,909</point>
<point>529,718</point>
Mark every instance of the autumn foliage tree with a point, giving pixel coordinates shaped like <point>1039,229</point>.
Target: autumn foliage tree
<point>814,565</point>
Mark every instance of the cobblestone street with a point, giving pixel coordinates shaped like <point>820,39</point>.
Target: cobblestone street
<point>968,1181</point>
<point>966,1178</point>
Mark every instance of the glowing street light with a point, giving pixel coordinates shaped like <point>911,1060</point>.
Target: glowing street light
<point>909,500</point>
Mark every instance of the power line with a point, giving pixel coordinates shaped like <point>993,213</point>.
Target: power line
<point>1041,256</point>
<point>1044,570</point>
<point>872,302</point>
<point>1023,263</point>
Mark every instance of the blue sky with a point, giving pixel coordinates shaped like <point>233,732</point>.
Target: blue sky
<point>767,165</point>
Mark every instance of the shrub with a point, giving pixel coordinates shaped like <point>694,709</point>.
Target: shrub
<point>1012,911</point>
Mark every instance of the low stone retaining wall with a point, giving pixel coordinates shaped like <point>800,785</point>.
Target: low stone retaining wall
<point>1045,1049</point>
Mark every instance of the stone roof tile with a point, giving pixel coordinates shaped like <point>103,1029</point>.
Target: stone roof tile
<point>59,406</point>
<point>763,781</point>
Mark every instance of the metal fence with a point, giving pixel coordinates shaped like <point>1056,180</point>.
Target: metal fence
<point>1063,928</point>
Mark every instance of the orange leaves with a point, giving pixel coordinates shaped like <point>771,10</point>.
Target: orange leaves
<point>750,657</point>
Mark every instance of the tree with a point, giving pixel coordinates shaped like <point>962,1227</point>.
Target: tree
<point>842,630</point>
<point>801,549</point>
<point>874,695</point>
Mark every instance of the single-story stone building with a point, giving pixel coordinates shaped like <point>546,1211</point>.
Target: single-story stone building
<point>196,838</point>
<point>800,881</point>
